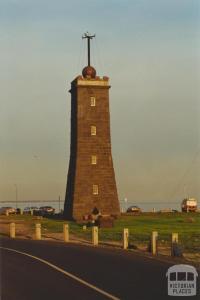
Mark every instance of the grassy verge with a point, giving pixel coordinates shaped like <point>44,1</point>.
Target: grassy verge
<point>140,228</point>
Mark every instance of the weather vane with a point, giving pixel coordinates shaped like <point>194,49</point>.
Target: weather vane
<point>88,37</point>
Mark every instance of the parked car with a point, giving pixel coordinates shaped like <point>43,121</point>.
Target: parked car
<point>46,210</point>
<point>28,210</point>
<point>11,210</point>
<point>18,211</point>
<point>8,209</point>
<point>133,209</point>
<point>3,210</point>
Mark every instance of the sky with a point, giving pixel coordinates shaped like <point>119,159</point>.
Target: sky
<point>150,51</point>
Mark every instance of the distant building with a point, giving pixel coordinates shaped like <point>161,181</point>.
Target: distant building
<point>189,205</point>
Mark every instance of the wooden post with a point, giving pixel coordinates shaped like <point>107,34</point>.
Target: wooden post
<point>66,232</point>
<point>174,241</point>
<point>125,238</point>
<point>38,231</point>
<point>21,211</point>
<point>95,240</point>
<point>7,213</point>
<point>12,230</point>
<point>154,237</point>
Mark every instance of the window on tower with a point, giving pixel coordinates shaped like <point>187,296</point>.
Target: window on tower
<point>92,101</point>
<point>93,159</point>
<point>95,189</point>
<point>93,130</point>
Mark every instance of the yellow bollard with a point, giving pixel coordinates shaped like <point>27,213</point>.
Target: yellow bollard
<point>95,239</point>
<point>84,227</point>
<point>38,231</point>
<point>154,237</point>
<point>66,232</point>
<point>12,230</point>
<point>125,238</point>
<point>174,240</point>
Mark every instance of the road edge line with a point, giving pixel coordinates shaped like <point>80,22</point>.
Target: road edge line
<point>64,272</point>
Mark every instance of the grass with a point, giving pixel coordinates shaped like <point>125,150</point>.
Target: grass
<point>140,228</point>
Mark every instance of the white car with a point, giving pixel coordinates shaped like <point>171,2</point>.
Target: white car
<point>47,210</point>
<point>7,209</point>
<point>133,209</point>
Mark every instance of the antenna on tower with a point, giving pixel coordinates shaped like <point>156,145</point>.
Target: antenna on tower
<point>89,37</point>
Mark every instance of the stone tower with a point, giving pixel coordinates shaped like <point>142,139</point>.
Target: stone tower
<point>91,186</point>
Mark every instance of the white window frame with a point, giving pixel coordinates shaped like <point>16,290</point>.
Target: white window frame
<point>92,101</point>
<point>93,130</point>
<point>93,159</point>
<point>95,189</point>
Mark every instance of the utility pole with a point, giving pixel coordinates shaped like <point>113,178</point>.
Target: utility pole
<point>59,204</point>
<point>125,200</point>
<point>16,195</point>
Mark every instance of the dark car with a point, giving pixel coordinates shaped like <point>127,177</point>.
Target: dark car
<point>133,209</point>
<point>18,211</point>
<point>31,210</point>
<point>47,210</point>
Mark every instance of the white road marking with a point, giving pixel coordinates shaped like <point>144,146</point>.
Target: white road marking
<point>65,273</point>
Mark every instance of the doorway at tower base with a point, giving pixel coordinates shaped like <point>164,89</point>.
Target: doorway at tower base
<point>102,221</point>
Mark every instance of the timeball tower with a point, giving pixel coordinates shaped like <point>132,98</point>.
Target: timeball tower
<point>91,185</point>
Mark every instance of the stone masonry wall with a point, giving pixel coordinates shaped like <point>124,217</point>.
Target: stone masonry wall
<point>82,175</point>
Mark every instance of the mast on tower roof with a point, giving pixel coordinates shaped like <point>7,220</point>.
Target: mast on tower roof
<point>88,37</point>
<point>88,72</point>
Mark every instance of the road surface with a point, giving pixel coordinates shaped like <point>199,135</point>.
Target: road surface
<point>40,270</point>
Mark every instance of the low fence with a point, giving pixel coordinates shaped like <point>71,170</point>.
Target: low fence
<point>95,238</point>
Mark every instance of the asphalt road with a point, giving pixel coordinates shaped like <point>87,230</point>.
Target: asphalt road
<point>121,274</point>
